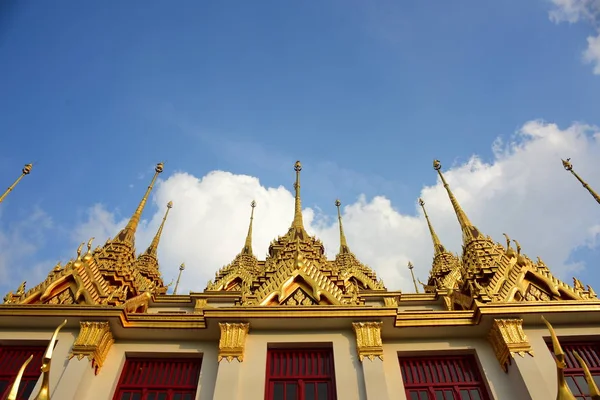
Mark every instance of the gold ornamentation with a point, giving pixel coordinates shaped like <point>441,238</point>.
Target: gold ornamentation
<point>564,392</point>
<point>299,298</point>
<point>200,304</point>
<point>368,340</point>
<point>14,390</point>
<point>25,171</point>
<point>44,393</point>
<point>94,341</point>
<point>138,303</point>
<point>508,338</point>
<point>411,267</point>
<point>233,340</point>
<point>569,167</point>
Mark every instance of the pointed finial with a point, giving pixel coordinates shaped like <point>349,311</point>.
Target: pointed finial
<point>181,268</point>
<point>44,393</point>
<point>79,250</point>
<point>25,171</point>
<point>89,244</point>
<point>437,245</point>
<point>248,244</point>
<point>594,392</point>
<point>469,231</point>
<point>410,267</point>
<point>14,390</point>
<point>564,393</point>
<point>153,248</point>
<point>298,224</point>
<point>569,167</point>
<point>127,235</point>
<point>343,244</point>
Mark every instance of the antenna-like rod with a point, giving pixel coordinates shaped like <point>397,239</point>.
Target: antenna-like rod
<point>569,167</point>
<point>411,266</point>
<point>25,171</point>
<point>181,268</point>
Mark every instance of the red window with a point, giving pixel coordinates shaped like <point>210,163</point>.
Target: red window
<point>159,379</point>
<point>590,352</point>
<point>443,378</point>
<point>300,374</point>
<point>11,360</point>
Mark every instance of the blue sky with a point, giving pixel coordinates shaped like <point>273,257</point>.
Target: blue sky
<point>365,94</point>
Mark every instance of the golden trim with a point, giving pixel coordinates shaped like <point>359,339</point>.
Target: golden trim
<point>14,390</point>
<point>44,392</point>
<point>508,338</point>
<point>368,340</point>
<point>233,340</point>
<point>94,342</point>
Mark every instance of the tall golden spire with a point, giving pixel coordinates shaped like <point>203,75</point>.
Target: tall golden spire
<point>569,167</point>
<point>248,244</point>
<point>437,245</point>
<point>297,228</point>
<point>127,235</point>
<point>343,244</point>
<point>25,171</point>
<point>153,248</point>
<point>469,231</point>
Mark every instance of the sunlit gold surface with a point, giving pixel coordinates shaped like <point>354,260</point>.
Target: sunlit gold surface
<point>508,338</point>
<point>44,393</point>
<point>233,340</point>
<point>14,390</point>
<point>94,342</point>
<point>368,340</point>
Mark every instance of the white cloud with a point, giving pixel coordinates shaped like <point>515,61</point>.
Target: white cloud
<point>524,192</point>
<point>19,244</point>
<point>573,11</point>
<point>592,53</point>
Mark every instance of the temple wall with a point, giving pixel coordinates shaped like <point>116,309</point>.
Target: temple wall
<point>348,371</point>
<point>500,384</point>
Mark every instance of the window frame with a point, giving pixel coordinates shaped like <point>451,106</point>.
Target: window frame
<point>589,350</point>
<point>293,375</point>
<point>192,366</point>
<point>455,369</point>
<point>31,374</point>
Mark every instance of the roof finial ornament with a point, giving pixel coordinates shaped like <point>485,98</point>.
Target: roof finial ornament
<point>437,245</point>
<point>509,251</point>
<point>79,250</point>
<point>469,231</point>
<point>343,244</point>
<point>410,267</point>
<point>14,390</point>
<point>25,171</point>
<point>127,235</point>
<point>89,244</point>
<point>569,167</point>
<point>298,224</point>
<point>181,268</point>
<point>248,244</point>
<point>44,393</point>
<point>153,248</point>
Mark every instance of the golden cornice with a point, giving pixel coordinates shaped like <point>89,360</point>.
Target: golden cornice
<point>368,339</point>
<point>233,340</point>
<point>507,339</point>
<point>94,342</point>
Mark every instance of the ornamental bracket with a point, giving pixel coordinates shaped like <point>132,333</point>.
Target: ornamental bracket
<point>368,340</point>
<point>94,341</point>
<point>508,338</point>
<point>233,340</point>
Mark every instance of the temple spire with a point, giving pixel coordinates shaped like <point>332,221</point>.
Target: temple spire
<point>343,244</point>
<point>469,231</point>
<point>153,248</point>
<point>437,245</point>
<point>410,267</point>
<point>248,245</point>
<point>297,228</point>
<point>127,235</point>
<point>25,171</point>
<point>569,167</point>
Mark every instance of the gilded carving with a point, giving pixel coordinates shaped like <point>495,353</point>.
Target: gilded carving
<point>44,392</point>
<point>94,342</point>
<point>508,338</point>
<point>233,340</point>
<point>368,340</point>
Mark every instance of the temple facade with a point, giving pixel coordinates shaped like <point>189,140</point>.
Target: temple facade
<point>489,324</point>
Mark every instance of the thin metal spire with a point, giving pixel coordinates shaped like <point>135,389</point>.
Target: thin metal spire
<point>25,171</point>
